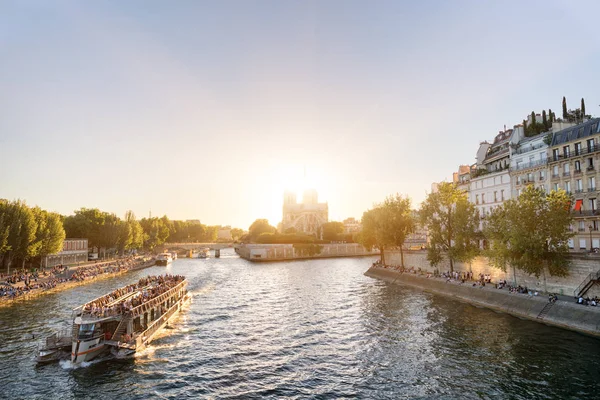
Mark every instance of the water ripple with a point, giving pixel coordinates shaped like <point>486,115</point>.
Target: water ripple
<point>312,329</point>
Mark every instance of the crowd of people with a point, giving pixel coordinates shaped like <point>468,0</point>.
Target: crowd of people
<point>587,301</point>
<point>23,282</point>
<point>118,301</point>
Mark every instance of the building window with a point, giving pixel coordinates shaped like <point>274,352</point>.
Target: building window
<point>555,170</point>
<point>476,199</point>
<point>571,244</point>
<point>582,244</point>
<point>542,175</point>
<point>555,187</point>
<point>566,168</point>
<point>593,204</point>
<point>495,196</point>
<point>590,145</point>
<point>530,177</point>
<point>566,152</point>
<point>578,166</point>
<point>577,148</point>
<point>482,198</point>
<point>568,187</point>
<point>590,163</point>
<point>556,154</point>
<point>502,195</point>
<point>578,185</point>
<point>581,226</point>
<point>591,184</point>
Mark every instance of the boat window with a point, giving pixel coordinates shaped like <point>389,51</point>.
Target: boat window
<point>86,330</point>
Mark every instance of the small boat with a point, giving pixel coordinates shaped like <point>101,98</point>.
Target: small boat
<point>164,259</point>
<point>204,253</point>
<point>121,322</point>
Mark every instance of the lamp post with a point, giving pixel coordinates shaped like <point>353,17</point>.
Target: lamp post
<point>591,246</point>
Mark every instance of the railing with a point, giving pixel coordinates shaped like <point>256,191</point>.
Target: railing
<point>529,165</point>
<point>591,189</point>
<point>158,299</point>
<point>583,151</point>
<point>591,277</point>
<point>585,213</point>
<point>157,323</point>
<point>566,174</point>
<point>527,149</point>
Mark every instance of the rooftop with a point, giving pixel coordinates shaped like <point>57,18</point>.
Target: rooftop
<point>579,131</point>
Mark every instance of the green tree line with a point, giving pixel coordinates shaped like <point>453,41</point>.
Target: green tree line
<point>27,234</point>
<point>529,233</point>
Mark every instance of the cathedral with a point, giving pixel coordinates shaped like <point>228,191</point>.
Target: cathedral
<point>305,217</point>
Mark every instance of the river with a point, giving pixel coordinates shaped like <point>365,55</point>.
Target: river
<point>307,329</point>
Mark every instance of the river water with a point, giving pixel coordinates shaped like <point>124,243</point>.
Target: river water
<point>307,329</point>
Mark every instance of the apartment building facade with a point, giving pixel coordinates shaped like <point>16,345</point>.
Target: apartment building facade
<point>574,165</point>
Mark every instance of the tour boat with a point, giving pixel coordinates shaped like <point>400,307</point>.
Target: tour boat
<point>204,253</point>
<point>121,322</point>
<point>164,259</point>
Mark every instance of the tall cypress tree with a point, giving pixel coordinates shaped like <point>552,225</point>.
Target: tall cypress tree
<point>550,118</point>
<point>564,105</point>
<point>582,107</point>
<point>544,120</point>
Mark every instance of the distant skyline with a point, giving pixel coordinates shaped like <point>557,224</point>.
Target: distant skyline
<point>209,110</point>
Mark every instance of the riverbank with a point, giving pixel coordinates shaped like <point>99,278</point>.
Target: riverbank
<point>563,314</point>
<point>61,284</point>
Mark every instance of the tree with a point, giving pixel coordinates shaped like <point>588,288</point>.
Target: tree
<point>583,107</point>
<point>236,233</point>
<point>372,234</point>
<point>564,108</point>
<point>86,223</point>
<point>49,235</point>
<point>387,225</point>
<point>21,232</point>
<point>331,230</point>
<point>452,223</point>
<point>4,227</point>
<point>260,226</point>
<point>400,221</point>
<point>544,120</point>
<point>531,233</point>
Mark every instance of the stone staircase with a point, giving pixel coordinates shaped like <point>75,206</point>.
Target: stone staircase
<point>587,284</point>
<point>545,310</point>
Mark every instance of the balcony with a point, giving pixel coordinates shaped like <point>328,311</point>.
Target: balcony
<point>590,169</point>
<point>591,189</point>
<point>578,190</point>
<point>578,152</point>
<point>566,173</point>
<point>532,164</point>
<point>586,213</point>
<point>555,176</point>
<point>577,172</point>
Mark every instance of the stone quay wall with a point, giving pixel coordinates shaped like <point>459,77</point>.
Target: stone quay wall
<point>581,266</point>
<point>283,252</point>
<point>563,314</point>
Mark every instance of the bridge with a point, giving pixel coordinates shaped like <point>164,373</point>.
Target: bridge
<point>195,246</point>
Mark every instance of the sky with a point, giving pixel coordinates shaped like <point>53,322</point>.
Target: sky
<point>210,109</point>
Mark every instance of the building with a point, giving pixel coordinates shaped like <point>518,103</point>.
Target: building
<point>74,251</point>
<point>305,217</point>
<point>573,163</point>
<point>489,184</point>
<point>351,225</point>
<point>224,233</point>
<point>529,163</point>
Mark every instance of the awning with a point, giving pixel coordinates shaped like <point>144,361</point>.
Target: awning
<point>578,204</point>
